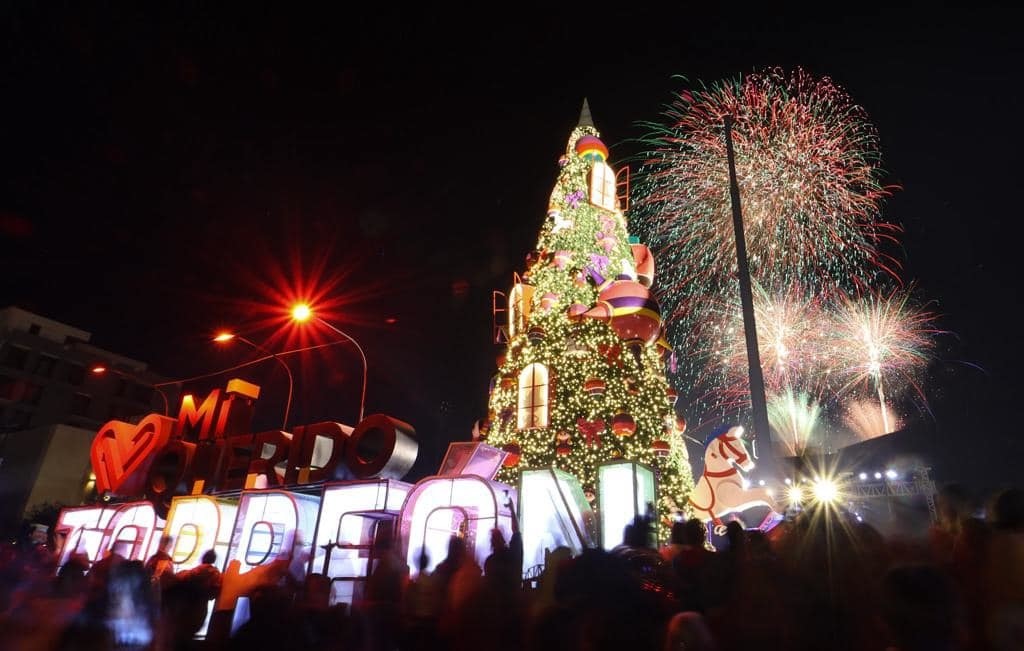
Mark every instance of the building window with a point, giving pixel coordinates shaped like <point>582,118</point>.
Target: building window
<point>8,386</point>
<point>45,365</point>
<point>80,404</point>
<point>142,393</point>
<point>126,413</point>
<point>34,329</point>
<point>602,186</point>
<point>30,393</point>
<point>16,357</point>
<point>76,374</point>
<point>533,397</point>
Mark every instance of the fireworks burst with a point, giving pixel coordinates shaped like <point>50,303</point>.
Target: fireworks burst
<point>865,419</point>
<point>807,163</point>
<point>789,340</point>
<point>807,166</point>
<point>793,417</point>
<point>880,341</point>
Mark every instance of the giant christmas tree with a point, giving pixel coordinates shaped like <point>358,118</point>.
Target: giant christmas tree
<point>582,379</point>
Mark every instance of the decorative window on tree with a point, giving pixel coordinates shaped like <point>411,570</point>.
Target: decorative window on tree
<point>602,186</point>
<point>533,397</point>
<point>519,308</point>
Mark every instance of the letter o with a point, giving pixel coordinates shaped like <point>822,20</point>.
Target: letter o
<point>167,475</point>
<point>381,446</point>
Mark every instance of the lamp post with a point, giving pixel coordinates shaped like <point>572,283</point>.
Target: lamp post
<point>100,369</point>
<point>225,337</point>
<point>301,313</point>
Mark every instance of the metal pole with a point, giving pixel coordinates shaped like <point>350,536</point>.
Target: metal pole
<point>291,382</point>
<point>762,432</point>
<point>362,355</point>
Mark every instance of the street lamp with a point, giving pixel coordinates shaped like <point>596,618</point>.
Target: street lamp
<point>302,312</point>
<point>100,369</point>
<point>225,337</point>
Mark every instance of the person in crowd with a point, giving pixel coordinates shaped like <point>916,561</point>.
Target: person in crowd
<point>205,575</point>
<point>1004,572</point>
<point>382,597</point>
<point>505,564</point>
<point>688,631</point>
<point>421,607</point>
<point>675,542</point>
<point>98,575</point>
<point>692,566</point>
<point>160,565</point>
<point>921,610</point>
<point>954,507</point>
<point>183,608</point>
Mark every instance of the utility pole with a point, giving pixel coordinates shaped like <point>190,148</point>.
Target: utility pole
<point>762,433</point>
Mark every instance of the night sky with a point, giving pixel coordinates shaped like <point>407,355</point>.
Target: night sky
<point>167,173</point>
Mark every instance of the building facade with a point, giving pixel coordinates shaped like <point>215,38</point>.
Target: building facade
<point>51,403</point>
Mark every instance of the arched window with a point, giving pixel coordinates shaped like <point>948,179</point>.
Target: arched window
<point>533,397</point>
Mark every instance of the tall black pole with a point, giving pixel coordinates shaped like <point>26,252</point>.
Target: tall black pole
<point>762,434</point>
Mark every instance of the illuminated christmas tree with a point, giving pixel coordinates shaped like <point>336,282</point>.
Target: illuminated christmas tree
<point>582,380</point>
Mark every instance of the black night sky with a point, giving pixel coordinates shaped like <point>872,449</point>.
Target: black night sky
<point>162,169</point>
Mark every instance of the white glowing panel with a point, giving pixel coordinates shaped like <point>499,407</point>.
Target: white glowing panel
<point>440,507</point>
<point>272,525</point>
<point>553,512</point>
<point>475,458</point>
<point>624,490</point>
<point>130,530</point>
<point>80,531</point>
<point>352,515</point>
<point>154,540</point>
<point>198,523</point>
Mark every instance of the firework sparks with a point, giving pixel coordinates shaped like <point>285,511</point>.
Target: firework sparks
<point>807,166</point>
<point>881,341</point>
<point>789,336</point>
<point>866,420</point>
<point>793,417</point>
<point>807,162</point>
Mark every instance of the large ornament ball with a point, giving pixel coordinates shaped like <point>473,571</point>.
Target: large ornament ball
<point>660,448</point>
<point>623,425</point>
<point>594,386</point>
<point>591,148</point>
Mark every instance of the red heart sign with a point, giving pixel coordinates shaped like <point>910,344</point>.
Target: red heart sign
<point>121,453</point>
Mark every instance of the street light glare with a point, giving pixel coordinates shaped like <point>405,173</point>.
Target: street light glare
<point>224,336</point>
<point>99,370</point>
<point>301,312</point>
<point>825,491</point>
<point>795,495</point>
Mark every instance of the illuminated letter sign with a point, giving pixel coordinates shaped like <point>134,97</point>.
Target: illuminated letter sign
<point>121,452</point>
<point>438,508</point>
<point>209,448</point>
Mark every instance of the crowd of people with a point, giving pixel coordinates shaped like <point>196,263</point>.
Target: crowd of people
<point>820,580</point>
